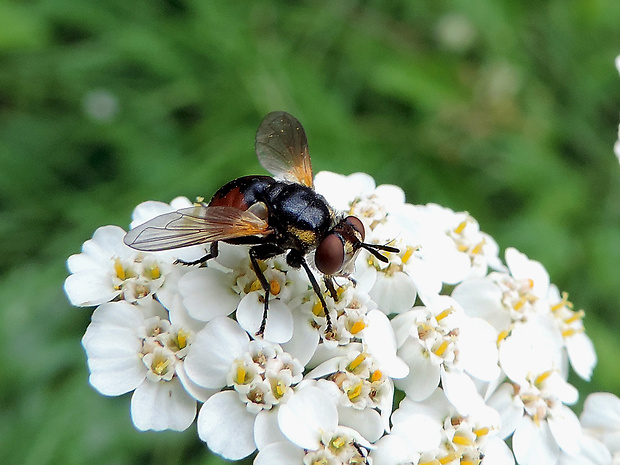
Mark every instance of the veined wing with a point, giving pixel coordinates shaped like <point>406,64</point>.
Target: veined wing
<point>193,226</point>
<point>282,148</point>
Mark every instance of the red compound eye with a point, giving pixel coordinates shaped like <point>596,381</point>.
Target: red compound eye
<point>329,255</point>
<point>357,225</point>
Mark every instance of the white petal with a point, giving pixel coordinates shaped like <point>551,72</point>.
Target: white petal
<point>367,422</point>
<point>423,375</point>
<point>213,351</point>
<point>422,432</point>
<point>280,453</point>
<point>162,405</point>
<point>601,410</point>
<point>534,445</point>
<point>279,326</point>
<point>307,413</point>
<point>226,426</point>
<point>207,293</point>
<point>509,407</point>
<point>581,354</point>
<point>118,315</point>
<point>461,392</point>
<point>482,298</point>
<point>497,452</point>
<point>395,293</point>
<point>305,339</point>
<point>90,287</point>
<point>521,267</point>
<point>381,342</point>
<point>107,242</point>
<point>197,392</point>
<point>393,450</point>
<point>266,429</point>
<point>478,349</point>
<point>566,429</point>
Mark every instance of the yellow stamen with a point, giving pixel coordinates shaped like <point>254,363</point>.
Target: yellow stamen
<point>274,287</point>
<point>279,389</point>
<point>476,250</point>
<point>541,378</point>
<point>481,431</point>
<point>459,229</point>
<point>441,349</point>
<point>161,367</point>
<point>317,309</point>
<point>153,272</point>
<point>432,462</point>
<point>502,335</point>
<point>376,376</point>
<point>118,268</point>
<point>444,314</point>
<point>356,362</point>
<point>467,462</point>
<point>255,286</point>
<point>449,458</point>
<point>357,327</point>
<point>462,440</point>
<point>520,303</point>
<point>355,391</point>
<point>571,332</point>
<point>338,442</point>
<point>182,339</point>
<point>408,254</point>
<point>241,373</point>
<point>462,248</point>
<point>574,317</point>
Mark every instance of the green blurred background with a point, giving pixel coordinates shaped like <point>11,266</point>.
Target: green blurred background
<point>506,109</point>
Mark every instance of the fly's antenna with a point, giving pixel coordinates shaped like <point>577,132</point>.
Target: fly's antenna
<point>374,249</point>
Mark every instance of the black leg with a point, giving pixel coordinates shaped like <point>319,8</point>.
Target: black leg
<point>263,252</point>
<point>317,291</point>
<point>212,254</point>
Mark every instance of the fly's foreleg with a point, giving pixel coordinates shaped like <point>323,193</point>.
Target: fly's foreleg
<point>213,250</point>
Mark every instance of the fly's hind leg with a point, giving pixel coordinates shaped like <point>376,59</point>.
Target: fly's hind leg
<point>263,252</point>
<point>213,250</point>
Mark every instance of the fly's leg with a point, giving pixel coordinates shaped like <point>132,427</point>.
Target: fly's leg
<point>212,254</point>
<point>263,252</point>
<point>296,260</point>
<point>329,284</point>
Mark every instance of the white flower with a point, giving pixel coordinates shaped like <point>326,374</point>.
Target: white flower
<point>127,350</point>
<point>441,342</point>
<point>260,373</point>
<point>310,423</point>
<point>107,269</point>
<point>600,420</point>
<point>212,291</point>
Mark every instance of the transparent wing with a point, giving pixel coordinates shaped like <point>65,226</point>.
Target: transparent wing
<point>282,148</point>
<point>195,225</point>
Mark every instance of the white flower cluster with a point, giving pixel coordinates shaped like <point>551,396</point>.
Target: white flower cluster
<point>478,349</point>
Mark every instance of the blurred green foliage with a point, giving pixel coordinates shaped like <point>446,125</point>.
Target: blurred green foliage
<point>508,110</point>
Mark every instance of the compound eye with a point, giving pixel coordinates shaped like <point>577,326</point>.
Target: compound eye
<point>329,255</point>
<point>356,224</point>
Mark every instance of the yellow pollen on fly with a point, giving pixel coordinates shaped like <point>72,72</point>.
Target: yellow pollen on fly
<point>118,269</point>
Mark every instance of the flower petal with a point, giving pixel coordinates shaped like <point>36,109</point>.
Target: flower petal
<point>226,426</point>
<point>162,405</point>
